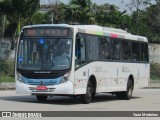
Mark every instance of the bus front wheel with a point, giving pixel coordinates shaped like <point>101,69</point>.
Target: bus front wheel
<point>86,98</point>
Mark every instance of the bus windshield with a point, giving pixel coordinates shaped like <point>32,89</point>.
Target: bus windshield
<point>44,54</point>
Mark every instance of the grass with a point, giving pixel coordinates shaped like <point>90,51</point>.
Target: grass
<point>7,68</point>
<point>155,71</point>
<point>6,79</point>
<point>7,71</point>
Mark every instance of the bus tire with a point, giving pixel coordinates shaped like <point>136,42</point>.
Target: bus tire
<point>128,93</point>
<point>41,98</point>
<point>86,98</point>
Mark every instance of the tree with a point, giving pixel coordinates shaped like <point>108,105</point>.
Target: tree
<point>153,18</point>
<point>80,11</point>
<point>57,11</point>
<point>31,7</point>
<point>136,5</point>
<point>38,18</point>
<point>147,22</point>
<point>15,10</point>
<point>101,13</point>
<point>109,15</point>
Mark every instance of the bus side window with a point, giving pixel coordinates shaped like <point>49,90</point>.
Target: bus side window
<point>92,48</point>
<point>116,49</point>
<point>80,50</point>
<point>135,51</point>
<point>126,50</point>
<point>105,52</point>
<point>144,52</point>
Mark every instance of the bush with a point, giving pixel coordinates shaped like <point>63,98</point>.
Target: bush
<point>155,71</point>
<point>7,68</point>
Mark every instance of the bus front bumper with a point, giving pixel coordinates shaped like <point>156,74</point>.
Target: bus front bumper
<point>60,89</point>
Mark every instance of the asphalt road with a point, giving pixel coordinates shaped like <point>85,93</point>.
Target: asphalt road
<point>143,100</point>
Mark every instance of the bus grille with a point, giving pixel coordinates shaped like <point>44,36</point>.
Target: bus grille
<point>38,83</point>
<point>33,89</point>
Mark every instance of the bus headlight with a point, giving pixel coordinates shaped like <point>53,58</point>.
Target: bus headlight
<point>65,78</point>
<point>19,78</point>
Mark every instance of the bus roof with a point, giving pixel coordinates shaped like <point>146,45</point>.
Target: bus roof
<point>97,30</point>
<point>111,32</point>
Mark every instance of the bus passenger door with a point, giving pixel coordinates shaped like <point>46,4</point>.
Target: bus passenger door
<point>81,70</point>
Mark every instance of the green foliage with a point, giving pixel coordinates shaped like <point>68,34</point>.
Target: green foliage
<point>38,18</point>
<point>7,79</point>
<point>7,68</point>
<point>30,7</point>
<point>80,11</point>
<point>155,71</point>
<point>7,71</point>
<point>15,10</point>
<point>10,31</point>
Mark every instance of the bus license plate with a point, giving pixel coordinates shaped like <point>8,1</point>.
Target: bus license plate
<point>41,88</point>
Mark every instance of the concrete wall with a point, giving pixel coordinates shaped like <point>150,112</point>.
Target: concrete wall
<point>5,49</point>
<point>154,53</point>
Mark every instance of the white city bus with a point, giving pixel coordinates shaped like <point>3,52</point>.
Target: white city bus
<point>80,60</point>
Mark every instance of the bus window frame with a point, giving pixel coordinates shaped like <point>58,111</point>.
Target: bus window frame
<point>85,41</point>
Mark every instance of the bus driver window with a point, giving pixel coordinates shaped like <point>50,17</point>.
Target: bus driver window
<point>80,54</point>
<point>35,53</point>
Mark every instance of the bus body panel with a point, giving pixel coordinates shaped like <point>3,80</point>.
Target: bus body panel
<point>111,77</point>
<point>107,76</point>
<point>141,75</point>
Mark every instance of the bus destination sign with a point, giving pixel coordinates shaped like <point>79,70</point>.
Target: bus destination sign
<point>47,32</point>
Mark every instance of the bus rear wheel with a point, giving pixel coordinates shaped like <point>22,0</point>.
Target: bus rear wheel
<point>128,93</point>
<point>41,98</point>
<point>86,98</point>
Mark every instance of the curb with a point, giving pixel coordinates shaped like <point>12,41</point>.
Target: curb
<point>6,88</point>
<point>151,88</point>
<point>154,82</point>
